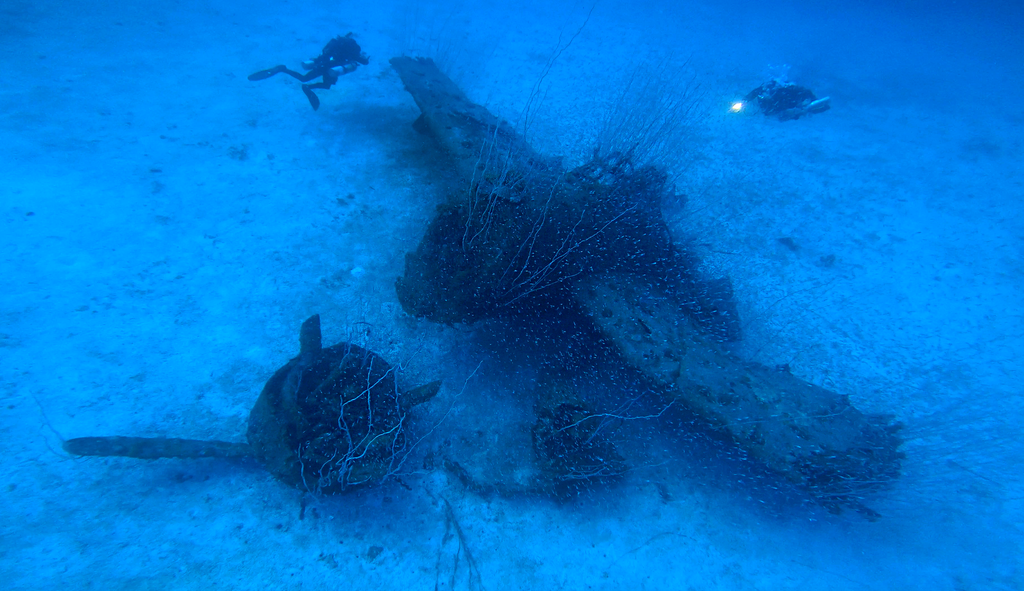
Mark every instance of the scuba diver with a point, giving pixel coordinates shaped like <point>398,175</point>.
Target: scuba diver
<point>786,100</point>
<point>340,52</point>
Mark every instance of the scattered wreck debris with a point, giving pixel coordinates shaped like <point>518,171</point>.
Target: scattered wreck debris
<point>571,449</point>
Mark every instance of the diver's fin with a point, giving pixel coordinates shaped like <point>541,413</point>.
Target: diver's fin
<point>820,106</point>
<point>314,101</point>
<point>264,74</point>
<point>309,335</point>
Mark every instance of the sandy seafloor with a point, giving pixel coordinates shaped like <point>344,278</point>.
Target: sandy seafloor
<point>166,225</point>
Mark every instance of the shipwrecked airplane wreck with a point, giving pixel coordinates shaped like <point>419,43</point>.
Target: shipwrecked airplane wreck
<point>526,239</point>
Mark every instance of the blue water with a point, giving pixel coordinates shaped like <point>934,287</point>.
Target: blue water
<point>167,225</point>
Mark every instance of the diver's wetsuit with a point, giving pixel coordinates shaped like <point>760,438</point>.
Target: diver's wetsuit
<point>340,52</point>
<point>786,100</point>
